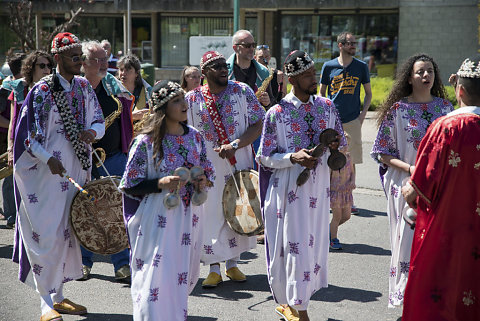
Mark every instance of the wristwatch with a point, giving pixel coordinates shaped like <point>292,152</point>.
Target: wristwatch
<point>234,145</point>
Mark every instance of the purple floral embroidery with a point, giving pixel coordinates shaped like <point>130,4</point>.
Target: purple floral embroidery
<point>64,186</point>
<point>182,278</point>
<point>227,177</point>
<point>316,268</point>
<point>394,191</point>
<point>208,249</point>
<point>57,154</point>
<point>328,192</point>
<point>70,244</point>
<point>32,198</point>
<point>140,264</point>
<point>139,297</point>
<point>297,302</point>
<point>37,269</point>
<point>36,237</point>
<point>162,221</point>
<point>279,214</point>
<point>194,220</point>
<point>66,234</point>
<point>156,260</point>
<point>404,267</point>
<point>232,242</point>
<point>306,276</point>
<point>52,291</point>
<point>185,315</point>
<point>292,197</point>
<point>186,239</point>
<point>153,295</point>
<point>275,182</point>
<point>65,280</point>
<point>393,272</point>
<point>310,242</point>
<point>399,295</point>
<point>293,247</point>
<point>139,232</point>
<point>313,202</point>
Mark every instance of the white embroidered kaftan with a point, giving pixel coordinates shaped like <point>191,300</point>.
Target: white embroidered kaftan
<point>238,109</point>
<point>399,136</point>
<point>296,218</point>
<point>165,244</point>
<point>45,246</point>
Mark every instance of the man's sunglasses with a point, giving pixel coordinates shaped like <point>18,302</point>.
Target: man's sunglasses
<point>42,65</point>
<point>247,45</point>
<point>219,66</point>
<point>263,47</point>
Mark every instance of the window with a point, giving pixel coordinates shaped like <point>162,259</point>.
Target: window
<point>176,32</point>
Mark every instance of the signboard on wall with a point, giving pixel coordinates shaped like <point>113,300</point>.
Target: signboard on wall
<point>201,44</point>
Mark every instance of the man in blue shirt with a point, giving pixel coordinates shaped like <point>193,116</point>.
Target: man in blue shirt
<point>342,77</point>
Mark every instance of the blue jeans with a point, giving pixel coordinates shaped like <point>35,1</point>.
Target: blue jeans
<point>115,165</point>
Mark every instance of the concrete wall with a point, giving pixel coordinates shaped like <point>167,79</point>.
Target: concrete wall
<point>445,29</point>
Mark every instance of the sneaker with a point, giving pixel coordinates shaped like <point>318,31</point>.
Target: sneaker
<point>123,274</point>
<point>335,244</point>
<point>355,210</point>
<point>86,273</point>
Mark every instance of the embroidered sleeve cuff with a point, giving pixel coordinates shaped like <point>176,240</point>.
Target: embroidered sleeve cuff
<point>277,160</point>
<point>99,129</point>
<point>39,151</point>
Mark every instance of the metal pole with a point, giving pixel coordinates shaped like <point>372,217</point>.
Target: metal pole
<point>129,26</point>
<point>38,28</point>
<point>236,13</point>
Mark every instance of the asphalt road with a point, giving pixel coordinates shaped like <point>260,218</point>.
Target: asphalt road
<point>357,276</point>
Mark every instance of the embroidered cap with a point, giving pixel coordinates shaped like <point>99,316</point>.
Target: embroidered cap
<point>297,62</point>
<point>162,92</point>
<point>208,57</point>
<point>64,41</point>
<point>470,68</point>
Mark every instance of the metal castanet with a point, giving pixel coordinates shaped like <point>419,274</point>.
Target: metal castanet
<point>172,200</point>
<point>99,225</point>
<point>242,212</point>
<point>335,161</point>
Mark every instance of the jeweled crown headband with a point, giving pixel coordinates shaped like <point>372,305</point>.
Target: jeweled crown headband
<point>163,95</point>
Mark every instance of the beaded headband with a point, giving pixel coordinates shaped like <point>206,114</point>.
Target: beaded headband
<point>64,41</point>
<point>168,90</point>
<point>297,62</point>
<point>469,69</point>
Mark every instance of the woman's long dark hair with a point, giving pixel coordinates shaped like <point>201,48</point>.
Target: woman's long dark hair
<point>401,88</point>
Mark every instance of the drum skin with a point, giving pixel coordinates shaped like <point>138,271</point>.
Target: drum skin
<point>243,214</point>
<point>99,224</point>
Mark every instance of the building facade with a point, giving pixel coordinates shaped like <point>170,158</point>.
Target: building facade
<point>387,32</point>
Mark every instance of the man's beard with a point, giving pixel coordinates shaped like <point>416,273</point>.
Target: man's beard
<point>220,82</point>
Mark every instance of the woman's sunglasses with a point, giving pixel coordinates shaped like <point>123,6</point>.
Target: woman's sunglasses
<point>42,65</point>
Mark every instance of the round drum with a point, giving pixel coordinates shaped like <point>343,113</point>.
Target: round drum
<point>243,213</point>
<point>99,225</point>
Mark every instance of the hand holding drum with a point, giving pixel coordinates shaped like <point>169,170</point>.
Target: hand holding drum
<point>328,138</point>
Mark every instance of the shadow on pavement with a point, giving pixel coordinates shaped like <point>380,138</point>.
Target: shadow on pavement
<point>6,252</point>
<point>107,317</point>
<point>363,212</point>
<point>337,294</point>
<point>247,256</point>
<point>194,318</point>
<point>363,249</point>
<point>233,291</point>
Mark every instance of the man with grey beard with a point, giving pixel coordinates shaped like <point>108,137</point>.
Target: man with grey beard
<point>112,96</point>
